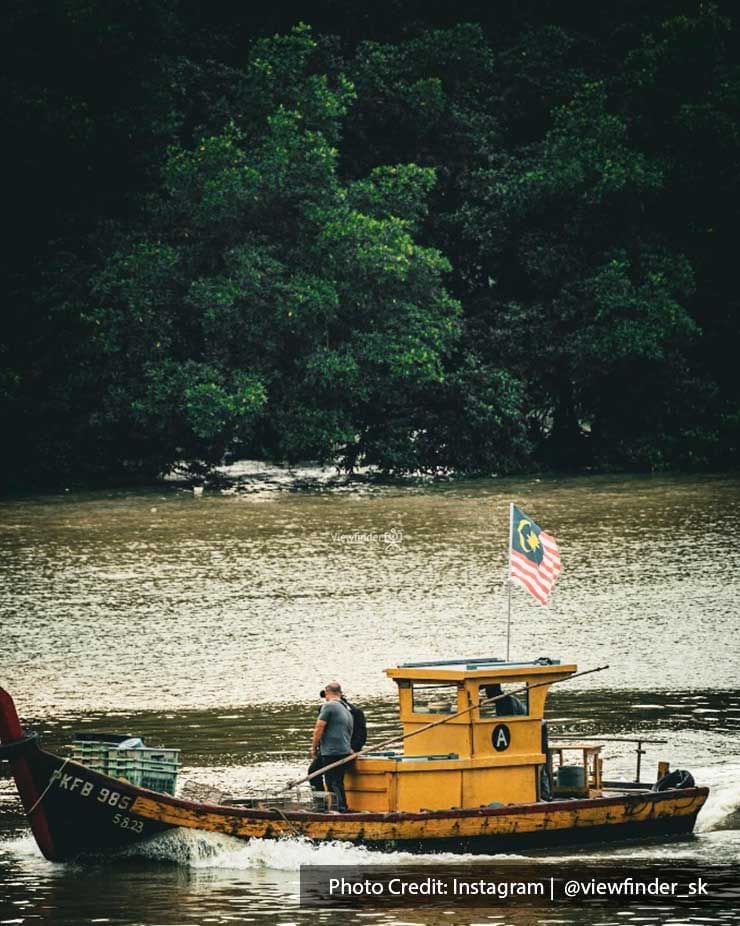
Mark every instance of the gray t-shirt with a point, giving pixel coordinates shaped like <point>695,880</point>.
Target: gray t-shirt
<point>337,735</point>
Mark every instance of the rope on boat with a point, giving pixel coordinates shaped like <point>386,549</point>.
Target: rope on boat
<point>435,723</point>
<point>296,832</point>
<point>57,773</point>
<point>7,750</point>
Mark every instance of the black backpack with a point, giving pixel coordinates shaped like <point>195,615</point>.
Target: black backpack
<point>359,730</point>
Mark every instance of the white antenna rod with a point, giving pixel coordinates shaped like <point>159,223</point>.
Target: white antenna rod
<point>508,619</point>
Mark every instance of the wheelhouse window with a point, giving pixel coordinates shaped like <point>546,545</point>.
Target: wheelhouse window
<point>510,705</point>
<point>434,699</point>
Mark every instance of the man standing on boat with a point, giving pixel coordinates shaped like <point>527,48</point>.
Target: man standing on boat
<point>331,741</point>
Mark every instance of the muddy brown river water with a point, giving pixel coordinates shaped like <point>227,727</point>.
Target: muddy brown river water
<point>210,623</point>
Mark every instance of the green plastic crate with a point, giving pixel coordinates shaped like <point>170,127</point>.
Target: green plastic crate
<point>155,768</point>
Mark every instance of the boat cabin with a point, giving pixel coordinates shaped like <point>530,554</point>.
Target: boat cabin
<point>492,753</point>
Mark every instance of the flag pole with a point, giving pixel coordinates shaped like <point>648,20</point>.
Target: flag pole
<point>508,619</point>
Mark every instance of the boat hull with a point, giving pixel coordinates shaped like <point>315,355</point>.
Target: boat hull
<point>75,811</point>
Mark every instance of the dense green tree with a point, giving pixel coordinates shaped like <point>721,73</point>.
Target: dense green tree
<point>430,99</point>
<point>562,227</point>
<point>505,238</point>
<point>681,89</point>
<point>585,301</point>
<point>270,307</point>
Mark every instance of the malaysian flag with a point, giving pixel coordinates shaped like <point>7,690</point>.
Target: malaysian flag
<point>534,559</point>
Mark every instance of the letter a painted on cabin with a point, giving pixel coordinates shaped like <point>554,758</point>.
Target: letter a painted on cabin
<point>501,737</point>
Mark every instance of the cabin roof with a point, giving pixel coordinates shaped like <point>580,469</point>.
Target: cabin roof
<point>484,668</point>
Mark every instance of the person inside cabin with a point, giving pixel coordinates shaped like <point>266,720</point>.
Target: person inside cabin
<point>508,706</point>
<point>331,741</point>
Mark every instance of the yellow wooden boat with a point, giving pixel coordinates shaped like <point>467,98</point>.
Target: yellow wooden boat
<point>472,777</point>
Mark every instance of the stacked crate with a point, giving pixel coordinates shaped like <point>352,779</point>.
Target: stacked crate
<point>147,767</point>
<point>155,768</point>
<point>91,749</point>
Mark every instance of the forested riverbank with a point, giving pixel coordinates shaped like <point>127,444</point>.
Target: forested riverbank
<point>422,237</point>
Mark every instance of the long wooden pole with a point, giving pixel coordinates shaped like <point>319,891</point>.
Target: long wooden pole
<point>434,723</point>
